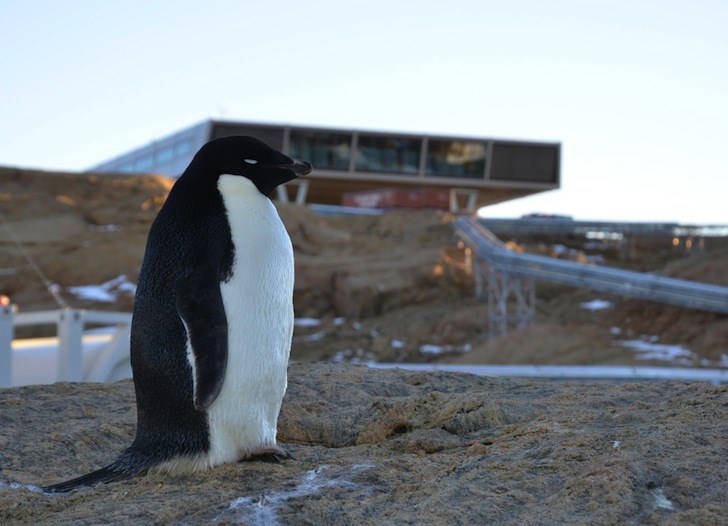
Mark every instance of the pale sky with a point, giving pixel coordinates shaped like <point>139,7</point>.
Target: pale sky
<point>636,91</point>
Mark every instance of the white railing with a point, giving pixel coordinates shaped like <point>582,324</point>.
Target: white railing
<point>571,372</point>
<point>111,363</point>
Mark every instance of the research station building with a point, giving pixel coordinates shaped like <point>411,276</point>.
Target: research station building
<point>355,166</point>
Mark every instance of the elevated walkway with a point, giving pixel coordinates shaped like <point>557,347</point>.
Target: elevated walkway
<point>563,226</point>
<point>508,273</point>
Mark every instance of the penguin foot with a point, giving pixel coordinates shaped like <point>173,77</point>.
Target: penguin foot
<point>273,454</point>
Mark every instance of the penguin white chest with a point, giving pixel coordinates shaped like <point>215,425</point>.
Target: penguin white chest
<point>258,300</point>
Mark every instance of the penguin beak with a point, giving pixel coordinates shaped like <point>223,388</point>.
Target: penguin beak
<point>300,168</point>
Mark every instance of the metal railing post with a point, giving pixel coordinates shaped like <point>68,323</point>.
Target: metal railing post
<point>7,313</point>
<point>302,193</point>
<point>282,194</point>
<point>70,343</point>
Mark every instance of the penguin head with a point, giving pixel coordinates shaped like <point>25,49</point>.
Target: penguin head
<point>249,157</point>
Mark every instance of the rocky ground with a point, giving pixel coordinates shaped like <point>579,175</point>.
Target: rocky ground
<point>393,447</point>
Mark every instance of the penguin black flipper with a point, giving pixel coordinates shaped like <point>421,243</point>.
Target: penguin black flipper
<point>100,476</point>
<point>200,305</point>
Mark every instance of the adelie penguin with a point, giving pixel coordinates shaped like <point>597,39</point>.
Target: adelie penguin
<point>213,318</point>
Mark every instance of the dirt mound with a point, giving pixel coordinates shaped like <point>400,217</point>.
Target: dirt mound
<point>79,229</point>
<point>393,447</point>
<point>709,267</point>
<point>388,287</point>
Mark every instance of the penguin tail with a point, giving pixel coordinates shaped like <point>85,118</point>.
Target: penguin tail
<point>100,476</point>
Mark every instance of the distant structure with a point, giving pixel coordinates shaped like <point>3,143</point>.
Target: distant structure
<point>363,166</point>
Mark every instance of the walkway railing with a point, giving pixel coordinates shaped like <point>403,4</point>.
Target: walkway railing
<point>113,361</point>
<point>561,226</point>
<point>489,250</point>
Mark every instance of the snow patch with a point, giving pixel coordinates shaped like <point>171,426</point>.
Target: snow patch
<point>106,292</point>
<point>17,485</point>
<point>263,509</point>
<point>649,349</point>
<point>397,344</point>
<point>660,500</point>
<point>316,336</point>
<point>431,349</point>
<point>356,356</point>
<point>309,323</point>
<point>595,305</point>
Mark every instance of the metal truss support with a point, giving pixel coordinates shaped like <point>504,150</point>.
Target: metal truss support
<point>511,299</point>
<point>301,192</point>
<point>471,199</point>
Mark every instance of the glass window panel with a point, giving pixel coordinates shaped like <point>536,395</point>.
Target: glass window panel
<point>143,164</point>
<point>325,151</point>
<point>182,147</point>
<point>388,154</point>
<point>271,135</point>
<point>456,159</point>
<point>164,155</point>
<point>524,162</point>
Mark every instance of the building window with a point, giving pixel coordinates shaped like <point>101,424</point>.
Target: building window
<point>325,151</point>
<point>182,147</point>
<point>143,164</point>
<point>388,154</point>
<point>164,155</point>
<point>456,159</point>
<point>525,162</point>
<point>271,135</point>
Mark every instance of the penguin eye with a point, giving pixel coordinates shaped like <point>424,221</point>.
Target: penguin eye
<point>251,161</point>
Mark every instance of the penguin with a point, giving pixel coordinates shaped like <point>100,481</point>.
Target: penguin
<point>213,318</point>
